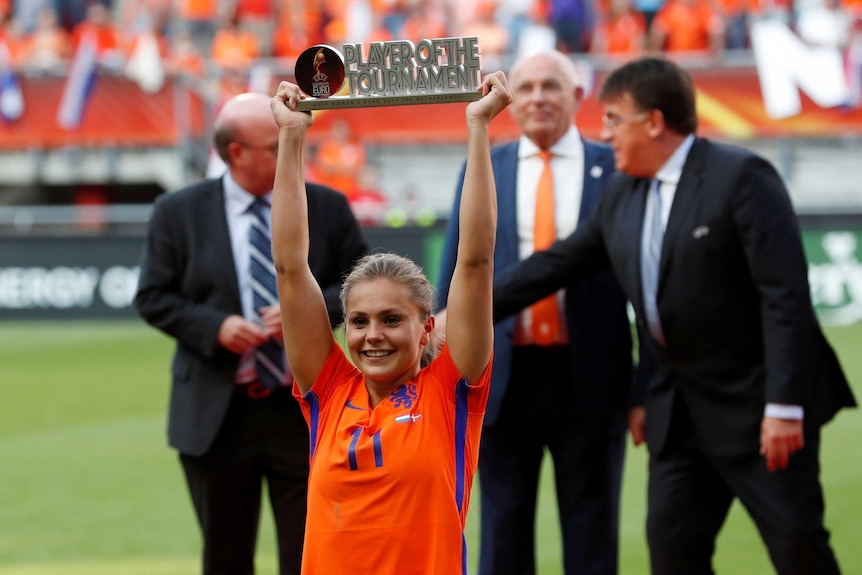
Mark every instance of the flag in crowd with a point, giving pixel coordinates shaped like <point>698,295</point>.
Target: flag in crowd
<point>145,64</point>
<point>11,97</point>
<point>79,84</point>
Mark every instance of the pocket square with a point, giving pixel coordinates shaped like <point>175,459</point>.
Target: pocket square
<point>699,232</point>
<point>596,172</point>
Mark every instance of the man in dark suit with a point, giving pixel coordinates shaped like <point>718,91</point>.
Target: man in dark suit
<point>705,243</point>
<point>232,426</point>
<point>568,393</point>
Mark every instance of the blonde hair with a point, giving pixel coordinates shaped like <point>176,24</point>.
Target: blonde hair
<point>400,270</point>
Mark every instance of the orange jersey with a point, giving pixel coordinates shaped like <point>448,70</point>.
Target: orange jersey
<point>621,32</point>
<point>232,48</point>
<point>198,9</point>
<point>687,26</point>
<point>339,163</point>
<point>254,8</point>
<point>389,487</point>
<point>854,7</point>
<point>106,36</point>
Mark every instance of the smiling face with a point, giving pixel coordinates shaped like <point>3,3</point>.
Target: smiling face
<point>544,97</point>
<point>386,332</point>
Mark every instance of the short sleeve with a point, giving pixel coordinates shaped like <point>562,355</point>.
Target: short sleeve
<point>336,368</point>
<point>443,369</point>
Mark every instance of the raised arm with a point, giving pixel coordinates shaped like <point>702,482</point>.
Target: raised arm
<point>469,329</point>
<point>305,322</point>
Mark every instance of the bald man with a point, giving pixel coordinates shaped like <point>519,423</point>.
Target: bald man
<point>233,427</point>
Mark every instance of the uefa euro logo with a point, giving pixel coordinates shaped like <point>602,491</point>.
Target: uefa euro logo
<point>320,81</point>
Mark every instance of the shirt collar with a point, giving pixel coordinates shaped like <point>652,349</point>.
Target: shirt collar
<point>237,200</point>
<point>569,145</point>
<point>671,170</point>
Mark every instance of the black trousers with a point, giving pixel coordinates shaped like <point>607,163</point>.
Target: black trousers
<point>539,413</point>
<point>690,494</point>
<point>260,440</point>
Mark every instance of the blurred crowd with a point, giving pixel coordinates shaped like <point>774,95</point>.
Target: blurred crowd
<point>222,42</point>
<point>40,35</point>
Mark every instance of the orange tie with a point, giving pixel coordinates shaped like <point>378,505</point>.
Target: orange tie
<point>545,315</point>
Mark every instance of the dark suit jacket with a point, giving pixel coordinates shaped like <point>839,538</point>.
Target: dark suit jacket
<point>188,286</point>
<point>595,308</point>
<point>733,297</point>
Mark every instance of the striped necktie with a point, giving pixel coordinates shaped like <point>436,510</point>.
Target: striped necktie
<point>269,356</point>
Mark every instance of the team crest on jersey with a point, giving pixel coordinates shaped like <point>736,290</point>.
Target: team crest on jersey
<point>404,396</point>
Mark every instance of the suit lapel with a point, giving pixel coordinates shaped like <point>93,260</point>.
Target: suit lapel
<point>593,172</point>
<point>689,186</point>
<point>213,213</point>
<point>506,178</point>
<point>633,220</point>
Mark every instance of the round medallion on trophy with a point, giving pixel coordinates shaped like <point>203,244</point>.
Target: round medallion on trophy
<point>320,71</point>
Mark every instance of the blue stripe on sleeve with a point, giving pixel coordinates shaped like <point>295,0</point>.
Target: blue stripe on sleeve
<point>461,391</point>
<point>313,420</point>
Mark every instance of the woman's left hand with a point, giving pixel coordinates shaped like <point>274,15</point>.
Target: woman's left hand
<point>284,111</point>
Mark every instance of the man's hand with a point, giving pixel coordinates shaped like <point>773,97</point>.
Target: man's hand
<point>237,334</point>
<point>637,425</point>
<point>271,317</point>
<point>779,439</point>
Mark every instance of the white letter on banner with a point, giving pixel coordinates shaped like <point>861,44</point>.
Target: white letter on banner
<point>785,63</point>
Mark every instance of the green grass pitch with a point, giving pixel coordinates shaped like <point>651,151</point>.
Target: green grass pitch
<point>88,485</point>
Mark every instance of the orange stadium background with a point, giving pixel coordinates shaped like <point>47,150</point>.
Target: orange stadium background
<point>119,114</point>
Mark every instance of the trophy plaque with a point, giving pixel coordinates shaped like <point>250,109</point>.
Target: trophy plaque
<point>396,73</point>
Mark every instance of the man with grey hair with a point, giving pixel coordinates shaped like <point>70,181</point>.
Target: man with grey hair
<point>562,369</point>
<point>207,281</point>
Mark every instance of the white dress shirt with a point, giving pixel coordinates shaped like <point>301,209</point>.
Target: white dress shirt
<point>567,167</point>
<point>236,203</point>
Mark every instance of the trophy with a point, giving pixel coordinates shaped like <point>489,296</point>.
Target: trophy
<point>396,73</point>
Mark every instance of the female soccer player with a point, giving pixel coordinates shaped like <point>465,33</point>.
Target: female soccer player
<point>394,434</point>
